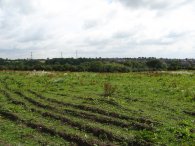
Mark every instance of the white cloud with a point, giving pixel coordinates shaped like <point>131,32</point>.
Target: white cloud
<point>97,28</point>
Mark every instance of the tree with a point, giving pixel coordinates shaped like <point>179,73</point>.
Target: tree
<point>156,64</point>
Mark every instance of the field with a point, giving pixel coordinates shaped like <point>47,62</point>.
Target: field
<point>90,109</point>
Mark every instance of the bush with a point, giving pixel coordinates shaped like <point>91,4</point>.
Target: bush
<point>109,89</point>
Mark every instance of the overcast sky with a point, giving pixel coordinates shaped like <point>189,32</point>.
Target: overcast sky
<point>97,28</point>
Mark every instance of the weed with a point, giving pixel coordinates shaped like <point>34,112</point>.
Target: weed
<point>109,89</point>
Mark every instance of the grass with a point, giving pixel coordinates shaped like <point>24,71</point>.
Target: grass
<point>149,108</point>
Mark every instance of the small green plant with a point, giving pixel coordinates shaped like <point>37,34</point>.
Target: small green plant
<point>109,89</point>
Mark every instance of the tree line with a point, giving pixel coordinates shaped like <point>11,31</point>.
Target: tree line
<point>98,64</point>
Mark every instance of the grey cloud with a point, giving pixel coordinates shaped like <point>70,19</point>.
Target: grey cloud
<point>113,44</point>
<point>25,28</point>
<point>122,35</point>
<point>97,41</point>
<point>90,24</point>
<point>169,39</point>
<point>160,42</point>
<point>153,4</point>
<point>127,40</point>
<point>14,53</point>
<point>12,13</point>
<point>176,34</point>
<point>32,35</point>
<point>16,6</point>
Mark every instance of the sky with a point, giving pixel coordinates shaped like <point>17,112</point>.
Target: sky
<point>97,28</point>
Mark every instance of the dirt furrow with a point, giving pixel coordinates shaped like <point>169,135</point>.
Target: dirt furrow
<point>95,110</point>
<point>105,120</point>
<point>94,130</point>
<point>44,129</point>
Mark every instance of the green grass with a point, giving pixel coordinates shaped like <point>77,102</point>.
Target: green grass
<point>150,108</point>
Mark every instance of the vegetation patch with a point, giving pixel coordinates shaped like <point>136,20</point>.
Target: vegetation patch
<point>150,108</point>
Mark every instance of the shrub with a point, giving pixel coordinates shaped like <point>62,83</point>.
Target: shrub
<point>109,89</point>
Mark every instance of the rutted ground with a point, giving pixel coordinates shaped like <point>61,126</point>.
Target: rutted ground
<point>50,112</point>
